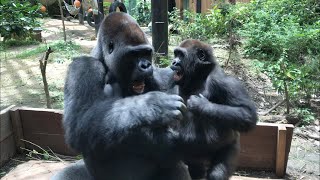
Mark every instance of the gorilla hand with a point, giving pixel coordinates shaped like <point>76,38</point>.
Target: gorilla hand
<point>197,102</point>
<point>153,108</point>
<point>171,107</point>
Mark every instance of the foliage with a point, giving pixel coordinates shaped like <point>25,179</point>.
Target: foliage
<point>106,6</point>
<point>19,20</point>
<point>307,116</point>
<point>286,35</point>
<point>198,26</point>
<point>219,21</point>
<point>16,43</point>
<point>142,12</point>
<point>164,61</point>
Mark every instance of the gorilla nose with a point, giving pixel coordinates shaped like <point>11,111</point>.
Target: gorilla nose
<point>176,62</point>
<point>145,66</point>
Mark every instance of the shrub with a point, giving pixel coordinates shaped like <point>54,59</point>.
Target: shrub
<point>198,26</point>
<point>142,12</point>
<point>18,19</point>
<point>286,35</point>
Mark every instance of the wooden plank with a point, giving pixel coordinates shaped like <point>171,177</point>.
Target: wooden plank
<point>281,151</point>
<point>179,4</point>
<point>7,149</point>
<point>289,135</point>
<point>206,6</point>
<point>17,128</point>
<point>43,127</point>
<point>192,5</point>
<point>40,121</point>
<point>5,124</point>
<point>258,148</point>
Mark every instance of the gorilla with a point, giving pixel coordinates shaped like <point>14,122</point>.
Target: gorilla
<point>218,109</point>
<point>115,113</point>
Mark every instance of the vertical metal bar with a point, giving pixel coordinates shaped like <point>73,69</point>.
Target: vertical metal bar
<point>198,5</point>
<point>98,18</point>
<point>81,14</point>
<point>159,11</point>
<point>100,7</point>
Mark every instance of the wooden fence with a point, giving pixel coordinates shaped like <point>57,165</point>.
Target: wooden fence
<point>265,148</point>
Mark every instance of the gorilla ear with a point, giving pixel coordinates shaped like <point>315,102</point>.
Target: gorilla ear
<point>201,54</point>
<point>111,46</point>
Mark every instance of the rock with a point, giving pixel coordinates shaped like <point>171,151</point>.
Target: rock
<point>293,118</point>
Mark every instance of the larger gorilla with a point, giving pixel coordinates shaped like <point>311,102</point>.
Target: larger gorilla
<point>124,136</point>
<point>218,108</point>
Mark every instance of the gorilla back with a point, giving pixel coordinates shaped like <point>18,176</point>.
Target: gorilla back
<point>124,136</point>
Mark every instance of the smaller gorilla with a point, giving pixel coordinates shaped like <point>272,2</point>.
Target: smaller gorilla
<point>218,109</point>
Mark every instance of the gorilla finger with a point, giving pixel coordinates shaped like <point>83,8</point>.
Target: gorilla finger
<point>177,114</point>
<point>194,97</point>
<point>190,104</point>
<point>179,105</point>
<point>183,108</point>
<point>177,98</point>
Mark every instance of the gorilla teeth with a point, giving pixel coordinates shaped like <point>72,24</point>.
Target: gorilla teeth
<point>177,76</point>
<point>138,87</point>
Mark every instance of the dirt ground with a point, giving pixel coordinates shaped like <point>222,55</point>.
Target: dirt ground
<point>21,85</point>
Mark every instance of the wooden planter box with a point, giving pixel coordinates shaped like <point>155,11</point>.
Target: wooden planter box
<point>265,148</point>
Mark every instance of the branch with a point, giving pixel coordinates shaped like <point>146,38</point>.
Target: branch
<point>271,109</point>
<point>43,67</point>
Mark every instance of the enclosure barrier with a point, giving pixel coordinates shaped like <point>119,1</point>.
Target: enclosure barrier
<point>265,148</point>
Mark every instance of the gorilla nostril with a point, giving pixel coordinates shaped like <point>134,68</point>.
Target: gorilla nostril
<point>144,65</point>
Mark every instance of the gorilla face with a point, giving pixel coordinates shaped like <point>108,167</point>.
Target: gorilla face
<point>193,60</point>
<point>126,52</point>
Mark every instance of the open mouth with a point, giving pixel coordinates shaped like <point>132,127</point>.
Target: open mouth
<point>138,86</point>
<point>178,73</point>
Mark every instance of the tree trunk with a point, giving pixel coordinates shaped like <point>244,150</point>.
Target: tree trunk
<point>287,96</point>
<point>63,26</point>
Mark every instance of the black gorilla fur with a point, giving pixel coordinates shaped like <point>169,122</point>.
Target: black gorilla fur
<point>128,135</point>
<point>218,108</point>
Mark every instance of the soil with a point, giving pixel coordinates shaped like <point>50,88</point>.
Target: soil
<point>21,85</point>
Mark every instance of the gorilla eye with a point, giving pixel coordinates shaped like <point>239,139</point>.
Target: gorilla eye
<point>111,47</point>
<point>178,53</point>
<point>201,55</point>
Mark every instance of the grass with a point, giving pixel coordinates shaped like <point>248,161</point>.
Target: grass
<point>56,95</point>
<point>59,46</point>
<point>16,42</point>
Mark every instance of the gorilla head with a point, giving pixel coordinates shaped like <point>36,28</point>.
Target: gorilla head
<point>193,61</point>
<point>123,47</point>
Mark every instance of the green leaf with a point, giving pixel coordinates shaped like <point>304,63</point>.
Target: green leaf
<point>289,75</point>
<point>3,1</point>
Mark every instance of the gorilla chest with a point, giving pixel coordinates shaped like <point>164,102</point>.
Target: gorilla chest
<point>206,133</point>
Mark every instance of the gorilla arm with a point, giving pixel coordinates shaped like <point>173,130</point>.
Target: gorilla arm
<point>231,106</point>
<point>93,120</point>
